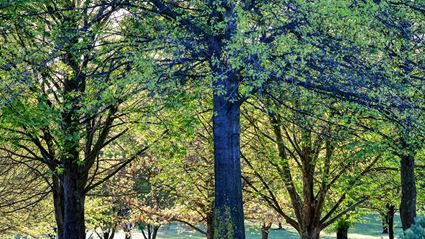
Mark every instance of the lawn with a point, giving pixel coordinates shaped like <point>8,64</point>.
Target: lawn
<point>369,228</point>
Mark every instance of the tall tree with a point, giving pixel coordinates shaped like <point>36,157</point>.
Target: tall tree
<point>69,97</point>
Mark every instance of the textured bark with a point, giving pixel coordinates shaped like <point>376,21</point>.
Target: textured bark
<point>228,213</point>
<point>74,176</point>
<point>59,206</point>
<point>310,234</point>
<point>408,191</point>
<point>74,202</point>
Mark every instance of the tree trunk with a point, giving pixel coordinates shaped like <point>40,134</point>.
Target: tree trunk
<point>265,228</point>
<point>384,224</point>
<point>59,205</point>
<point>342,233</point>
<point>228,207</point>
<point>342,229</point>
<point>310,234</point>
<point>390,220</point>
<point>408,191</point>
<point>155,231</point>
<point>74,202</point>
<point>210,226</point>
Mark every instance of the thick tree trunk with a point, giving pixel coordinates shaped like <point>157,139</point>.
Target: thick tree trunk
<point>342,229</point>
<point>408,191</point>
<point>390,220</point>
<point>342,233</point>
<point>74,202</point>
<point>59,205</point>
<point>310,234</point>
<point>228,213</point>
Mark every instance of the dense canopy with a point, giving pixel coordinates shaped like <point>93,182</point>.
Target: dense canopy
<point>126,116</point>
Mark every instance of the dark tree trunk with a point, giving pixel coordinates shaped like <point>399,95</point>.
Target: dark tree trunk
<point>264,233</point>
<point>265,229</point>
<point>384,224</point>
<point>155,232</point>
<point>280,227</point>
<point>390,220</point>
<point>310,234</point>
<point>342,229</point>
<point>228,207</point>
<point>74,202</point>
<point>59,205</point>
<point>342,233</point>
<point>152,231</point>
<point>210,226</point>
<point>408,191</point>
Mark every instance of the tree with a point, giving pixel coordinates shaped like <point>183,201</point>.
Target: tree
<point>74,98</point>
<point>323,152</point>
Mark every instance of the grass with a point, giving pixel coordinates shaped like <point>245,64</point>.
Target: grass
<point>369,228</point>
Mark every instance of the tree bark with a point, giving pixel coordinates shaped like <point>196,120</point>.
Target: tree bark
<point>228,213</point>
<point>155,231</point>
<point>265,229</point>
<point>408,191</point>
<point>342,233</point>
<point>74,202</point>
<point>210,226</point>
<point>314,233</point>
<point>59,205</point>
<point>390,220</point>
<point>384,223</point>
<point>74,176</point>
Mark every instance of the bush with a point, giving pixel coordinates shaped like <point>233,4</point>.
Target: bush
<point>417,230</point>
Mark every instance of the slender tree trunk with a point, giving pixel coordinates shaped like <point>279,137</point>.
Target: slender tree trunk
<point>59,205</point>
<point>384,224</point>
<point>155,231</point>
<point>210,226</point>
<point>280,227</point>
<point>228,213</point>
<point>265,229</point>
<point>390,220</point>
<point>408,191</point>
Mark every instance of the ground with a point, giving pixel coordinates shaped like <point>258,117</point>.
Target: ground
<point>369,228</point>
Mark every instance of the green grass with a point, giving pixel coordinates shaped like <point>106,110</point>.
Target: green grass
<point>369,228</point>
